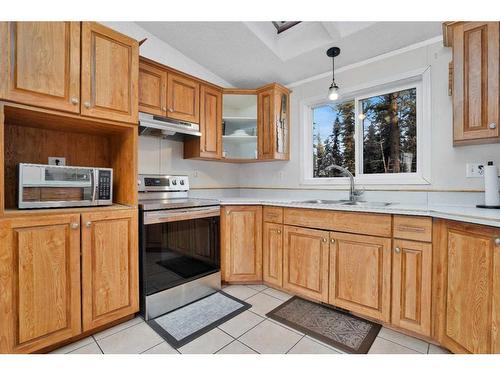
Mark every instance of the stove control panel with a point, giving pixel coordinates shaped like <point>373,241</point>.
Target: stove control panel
<point>162,183</point>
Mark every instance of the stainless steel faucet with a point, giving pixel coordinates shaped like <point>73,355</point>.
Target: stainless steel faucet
<point>353,193</point>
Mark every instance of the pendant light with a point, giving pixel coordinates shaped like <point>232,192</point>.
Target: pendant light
<point>333,91</point>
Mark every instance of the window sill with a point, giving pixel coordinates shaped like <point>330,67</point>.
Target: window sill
<point>400,179</point>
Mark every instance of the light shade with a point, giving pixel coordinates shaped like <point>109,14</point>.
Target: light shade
<point>333,92</point>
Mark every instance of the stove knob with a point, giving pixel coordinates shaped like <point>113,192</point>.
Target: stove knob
<point>174,182</point>
<point>181,182</point>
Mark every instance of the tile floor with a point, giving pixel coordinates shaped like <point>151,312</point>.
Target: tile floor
<point>248,333</point>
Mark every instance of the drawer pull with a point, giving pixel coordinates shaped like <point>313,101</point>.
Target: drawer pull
<point>279,231</point>
<point>497,240</point>
<point>397,250</point>
<point>408,228</point>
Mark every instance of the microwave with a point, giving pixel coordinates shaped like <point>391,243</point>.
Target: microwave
<point>51,186</point>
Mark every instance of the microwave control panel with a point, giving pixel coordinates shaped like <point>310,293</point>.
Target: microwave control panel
<point>104,185</point>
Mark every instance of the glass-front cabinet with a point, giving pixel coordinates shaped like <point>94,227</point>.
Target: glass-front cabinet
<point>256,124</point>
<point>239,126</point>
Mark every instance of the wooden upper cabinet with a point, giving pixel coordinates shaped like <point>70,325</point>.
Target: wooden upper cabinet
<point>241,243</point>
<point>476,80</point>
<point>467,287</point>
<point>411,286</point>
<point>109,267</point>
<point>40,64</point>
<point>152,89</point>
<point>305,262</point>
<point>360,274</point>
<point>39,282</point>
<point>110,68</point>
<point>209,145</point>
<point>272,254</point>
<point>273,122</point>
<point>183,98</point>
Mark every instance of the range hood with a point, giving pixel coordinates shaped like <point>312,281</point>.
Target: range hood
<point>165,127</point>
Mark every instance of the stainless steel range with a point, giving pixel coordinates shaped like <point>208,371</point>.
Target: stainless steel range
<point>179,244</point>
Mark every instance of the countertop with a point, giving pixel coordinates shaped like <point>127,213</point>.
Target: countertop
<point>469,214</point>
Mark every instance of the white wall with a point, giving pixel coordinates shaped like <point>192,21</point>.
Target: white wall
<point>165,156</point>
<point>448,163</point>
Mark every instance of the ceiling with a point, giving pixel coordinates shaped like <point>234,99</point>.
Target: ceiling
<point>250,54</point>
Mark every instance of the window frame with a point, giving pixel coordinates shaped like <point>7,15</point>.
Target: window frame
<point>419,79</point>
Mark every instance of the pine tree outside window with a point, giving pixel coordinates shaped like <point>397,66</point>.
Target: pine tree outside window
<point>381,134</point>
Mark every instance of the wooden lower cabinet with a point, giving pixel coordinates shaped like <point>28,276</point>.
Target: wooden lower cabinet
<point>241,243</point>
<point>39,281</point>
<point>305,262</point>
<point>360,274</point>
<point>466,276</point>
<point>272,252</point>
<point>411,286</point>
<point>109,267</point>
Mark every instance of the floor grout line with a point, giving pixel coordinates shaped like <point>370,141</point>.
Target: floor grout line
<point>123,329</point>
<point>324,344</point>
<point>154,346</point>
<point>99,346</point>
<point>229,343</point>
<point>248,346</point>
<point>404,346</point>
<point>246,330</point>
<point>294,345</point>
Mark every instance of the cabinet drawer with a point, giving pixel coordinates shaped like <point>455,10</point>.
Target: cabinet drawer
<point>273,214</point>
<point>413,228</point>
<point>340,221</point>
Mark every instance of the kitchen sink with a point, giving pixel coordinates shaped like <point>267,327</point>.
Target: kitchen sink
<point>324,201</point>
<point>345,202</point>
<point>366,204</point>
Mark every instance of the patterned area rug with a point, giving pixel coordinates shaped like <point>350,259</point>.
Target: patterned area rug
<point>327,324</point>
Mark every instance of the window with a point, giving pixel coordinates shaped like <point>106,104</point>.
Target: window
<point>333,138</point>
<point>389,124</point>
<point>381,134</point>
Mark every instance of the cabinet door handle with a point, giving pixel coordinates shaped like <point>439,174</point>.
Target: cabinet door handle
<point>278,231</point>
<point>492,125</point>
<point>87,104</point>
<point>332,240</point>
<point>164,109</point>
<point>497,240</point>
<point>75,225</point>
<point>88,224</point>
<point>324,240</point>
<point>170,109</point>
<point>74,100</point>
<point>397,250</point>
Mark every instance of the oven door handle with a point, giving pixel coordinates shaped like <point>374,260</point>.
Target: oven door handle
<point>168,216</point>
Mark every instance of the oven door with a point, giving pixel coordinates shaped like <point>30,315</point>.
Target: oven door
<point>178,246</point>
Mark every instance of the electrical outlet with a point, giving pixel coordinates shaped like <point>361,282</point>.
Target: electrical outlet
<point>195,174</point>
<point>281,175</point>
<point>57,160</point>
<point>474,170</point>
